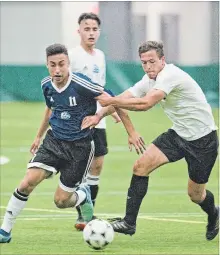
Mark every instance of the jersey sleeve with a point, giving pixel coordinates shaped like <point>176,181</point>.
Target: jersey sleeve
<point>140,88</point>
<point>85,86</point>
<point>166,82</point>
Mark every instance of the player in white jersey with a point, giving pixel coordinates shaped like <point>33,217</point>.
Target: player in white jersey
<point>193,135</point>
<point>90,61</point>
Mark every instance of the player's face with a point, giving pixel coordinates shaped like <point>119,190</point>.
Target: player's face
<point>89,32</point>
<point>151,63</point>
<point>58,67</point>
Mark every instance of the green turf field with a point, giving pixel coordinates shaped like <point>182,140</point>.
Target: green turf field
<point>168,224</point>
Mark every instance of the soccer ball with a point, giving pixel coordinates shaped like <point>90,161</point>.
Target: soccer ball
<point>98,234</point>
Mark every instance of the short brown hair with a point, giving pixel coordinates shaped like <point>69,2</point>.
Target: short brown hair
<point>151,45</point>
<point>89,15</point>
<point>55,49</point>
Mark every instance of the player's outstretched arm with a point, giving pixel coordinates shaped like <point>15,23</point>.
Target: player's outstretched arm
<point>41,131</point>
<point>134,104</point>
<point>91,121</point>
<point>134,138</point>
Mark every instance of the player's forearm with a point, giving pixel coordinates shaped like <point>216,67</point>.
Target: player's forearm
<point>125,120</point>
<point>44,124</point>
<point>132,104</point>
<point>105,111</point>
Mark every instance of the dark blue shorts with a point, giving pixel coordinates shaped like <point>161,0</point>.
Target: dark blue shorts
<point>71,158</point>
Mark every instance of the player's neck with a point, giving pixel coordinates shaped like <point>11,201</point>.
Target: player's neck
<point>88,49</point>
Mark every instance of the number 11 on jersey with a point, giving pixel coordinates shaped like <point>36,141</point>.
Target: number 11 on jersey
<point>72,101</point>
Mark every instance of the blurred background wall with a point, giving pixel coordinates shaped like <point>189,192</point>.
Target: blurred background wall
<point>189,30</point>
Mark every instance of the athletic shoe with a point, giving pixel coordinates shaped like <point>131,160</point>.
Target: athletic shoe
<point>212,228</point>
<point>81,223</point>
<point>121,226</point>
<point>86,207</point>
<point>5,237</point>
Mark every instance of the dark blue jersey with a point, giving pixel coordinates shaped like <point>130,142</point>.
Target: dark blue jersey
<point>70,105</point>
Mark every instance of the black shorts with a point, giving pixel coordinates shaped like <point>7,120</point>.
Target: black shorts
<point>100,141</point>
<point>71,158</point>
<point>199,154</point>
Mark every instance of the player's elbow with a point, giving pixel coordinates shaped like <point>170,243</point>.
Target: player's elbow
<point>144,106</point>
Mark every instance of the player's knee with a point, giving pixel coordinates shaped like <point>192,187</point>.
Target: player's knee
<point>140,169</point>
<point>27,186</point>
<point>96,170</point>
<point>97,165</point>
<point>60,202</point>
<point>195,196</point>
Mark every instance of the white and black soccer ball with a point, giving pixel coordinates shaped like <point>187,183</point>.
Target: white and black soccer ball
<point>98,234</point>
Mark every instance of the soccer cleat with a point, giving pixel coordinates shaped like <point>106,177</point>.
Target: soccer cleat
<point>212,228</point>
<point>121,226</point>
<point>86,207</point>
<point>5,237</point>
<point>80,224</point>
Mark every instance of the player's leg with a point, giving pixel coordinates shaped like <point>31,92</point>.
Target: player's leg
<point>76,160</point>
<point>93,177</point>
<point>201,156</point>
<point>150,160</point>
<point>101,149</point>
<point>205,199</point>
<point>161,151</point>
<point>19,199</point>
<point>41,166</point>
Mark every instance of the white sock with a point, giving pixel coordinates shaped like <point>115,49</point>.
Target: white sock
<point>16,204</point>
<point>92,179</point>
<point>81,197</point>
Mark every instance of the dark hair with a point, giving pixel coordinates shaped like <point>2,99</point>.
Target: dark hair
<point>89,15</point>
<point>55,49</point>
<point>152,45</point>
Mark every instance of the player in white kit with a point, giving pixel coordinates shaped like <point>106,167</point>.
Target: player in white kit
<point>90,61</point>
<point>193,135</point>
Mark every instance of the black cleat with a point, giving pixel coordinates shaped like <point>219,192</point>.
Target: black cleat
<point>121,226</point>
<point>213,226</point>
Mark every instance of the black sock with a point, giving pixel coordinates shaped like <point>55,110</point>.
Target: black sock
<point>136,192</point>
<point>79,211</point>
<point>208,204</point>
<point>94,192</point>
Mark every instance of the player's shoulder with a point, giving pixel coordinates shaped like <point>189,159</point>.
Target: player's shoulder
<point>80,77</point>
<point>99,52</point>
<point>45,81</point>
<point>83,79</point>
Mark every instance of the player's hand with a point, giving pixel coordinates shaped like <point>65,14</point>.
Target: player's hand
<point>90,122</point>
<point>104,99</point>
<point>137,141</point>
<point>116,117</point>
<point>35,145</point>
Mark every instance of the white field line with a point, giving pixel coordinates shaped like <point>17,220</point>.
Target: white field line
<point>104,215</point>
<point>115,148</point>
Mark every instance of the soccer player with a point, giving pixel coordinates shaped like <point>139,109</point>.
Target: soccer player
<point>193,135</point>
<point>66,148</point>
<point>90,61</point>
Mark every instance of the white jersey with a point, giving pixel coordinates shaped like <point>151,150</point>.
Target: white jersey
<point>91,65</point>
<point>185,103</point>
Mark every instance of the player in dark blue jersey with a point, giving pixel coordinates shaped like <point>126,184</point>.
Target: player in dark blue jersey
<point>66,148</point>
